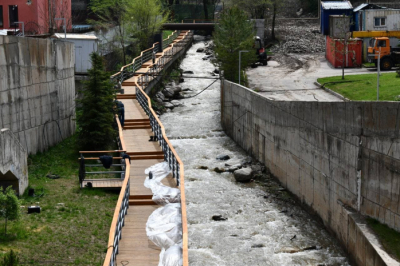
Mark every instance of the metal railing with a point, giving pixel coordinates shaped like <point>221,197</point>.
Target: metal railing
<point>129,70</point>
<point>118,221</point>
<point>170,39</point>
<point>169,155</point>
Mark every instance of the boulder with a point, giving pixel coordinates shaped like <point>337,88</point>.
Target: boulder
<point>169,105</point>
<point>168,92</point>
<point>179,96</point>
<point>176,103</point>
<point>216,71</point>
<point>243,175</point>
<point>188,72</point>
<point>200,50</point>
<point>177,89</point>
<point>158,100</point>
<point>219,217</point>
<point>257,168</point>
<point>223,157</point>
<point>160,96</point>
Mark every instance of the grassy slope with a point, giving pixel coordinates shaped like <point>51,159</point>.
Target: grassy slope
<point>74,232</point>
<point>364,87</point>
<point>166,33</point>
<point>389,238</point>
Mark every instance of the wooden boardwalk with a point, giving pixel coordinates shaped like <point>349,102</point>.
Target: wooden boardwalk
<point>134,247</point>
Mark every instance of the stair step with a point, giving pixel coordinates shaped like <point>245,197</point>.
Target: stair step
<point>147,157</point>
<point>137,120</point>
<point>126,96</point>
<point>141,202</point>
<point>137,127</point>
<point>129,83</point>
<point>136,123</point>
<point>145,153</point>
<point>140,196</point>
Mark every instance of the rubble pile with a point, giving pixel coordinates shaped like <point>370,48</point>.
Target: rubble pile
<point>299,37</point>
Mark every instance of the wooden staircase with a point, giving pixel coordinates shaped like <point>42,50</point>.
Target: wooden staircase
<point>136,124</point>
<point>126,96</point>
<point>141,200</point>
<point>146,155</point>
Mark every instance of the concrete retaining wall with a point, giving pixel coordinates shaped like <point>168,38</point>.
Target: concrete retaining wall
<point>328,154</point>
<point>13,162</point>
<point>37,87</point>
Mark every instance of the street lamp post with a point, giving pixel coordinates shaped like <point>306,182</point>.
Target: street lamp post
<point>65,26</point>
<point>23,27</point>
<point>240,59</point>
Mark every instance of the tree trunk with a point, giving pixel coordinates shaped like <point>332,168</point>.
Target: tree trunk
<point>273,21</point>
<point>205,4</point>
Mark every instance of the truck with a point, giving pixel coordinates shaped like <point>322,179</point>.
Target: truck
<point>389,56</point>
<point>260,51</point>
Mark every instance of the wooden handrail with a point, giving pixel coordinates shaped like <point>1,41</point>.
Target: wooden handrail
<point>110,245</point>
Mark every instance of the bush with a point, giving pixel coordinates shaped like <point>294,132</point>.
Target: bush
<point>10,259</point>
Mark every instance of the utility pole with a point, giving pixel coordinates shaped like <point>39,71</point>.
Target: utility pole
<point>379,73</point>
<point>65,26</point>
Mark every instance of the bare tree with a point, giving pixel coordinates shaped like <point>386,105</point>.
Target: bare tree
<point>49,10</point>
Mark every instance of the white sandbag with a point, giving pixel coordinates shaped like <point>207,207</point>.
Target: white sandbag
<point>162,194</point>
<point>164,227</point>
<point>159,171</point>
<point>171,256</point>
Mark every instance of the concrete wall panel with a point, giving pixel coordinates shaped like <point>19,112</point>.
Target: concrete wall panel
<point>37,90</point>
<point>332,156</point>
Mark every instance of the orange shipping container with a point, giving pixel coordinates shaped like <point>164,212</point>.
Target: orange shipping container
<point>352,56</point>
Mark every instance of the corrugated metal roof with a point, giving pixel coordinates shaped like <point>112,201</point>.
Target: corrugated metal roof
<point>337,5</point>
<point>360,7</point>
<point>75,36</point>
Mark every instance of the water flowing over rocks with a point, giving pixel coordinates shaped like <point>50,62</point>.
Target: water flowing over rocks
<point>261,219</point>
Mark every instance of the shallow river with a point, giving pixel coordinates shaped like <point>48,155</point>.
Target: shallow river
<point>260,229</point>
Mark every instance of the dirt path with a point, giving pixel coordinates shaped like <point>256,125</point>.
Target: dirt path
<point>293,77</point>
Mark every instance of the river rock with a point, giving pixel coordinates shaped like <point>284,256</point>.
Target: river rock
<point>200,50</point>
<point>169,105</point>
<point>177,89</point>
<point>176,103</point>
<point>243,175</point>
<point>158,100</point>
<point>168,92</point>
<point>223,157</point>
<point>216,71</point>
<point>160,95</point>
<point>179,96</point>
<point>188,72</point>
<point>233,168</point>
<point>219,217</point>
<point>257,168</point>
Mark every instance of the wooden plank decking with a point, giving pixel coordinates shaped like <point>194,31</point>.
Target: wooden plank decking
<point>134,247</point>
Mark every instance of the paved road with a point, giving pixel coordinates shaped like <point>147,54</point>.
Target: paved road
<point>293,78</point>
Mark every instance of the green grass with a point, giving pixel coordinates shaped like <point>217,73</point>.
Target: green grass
<point>364,86</point>
<point>389,238</point>
<point>74,232</point>
<point>166,33</point>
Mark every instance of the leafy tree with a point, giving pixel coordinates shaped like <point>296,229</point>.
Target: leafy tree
<point>145,19</point>
<point>233,34</point>
<point>257,9</point>
<point>95,113</point>
<point>9,206</point>
<point>112,14</point>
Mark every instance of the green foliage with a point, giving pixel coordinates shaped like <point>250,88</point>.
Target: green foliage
<point>398,73</point>
<point>233,34</point>
<point>109,14</point>
<point>9,206</point>
<point>145,19</point>
<point>257,9</point>
<point>389,238</point>
<point>95,114</point>
<point>10,259</point>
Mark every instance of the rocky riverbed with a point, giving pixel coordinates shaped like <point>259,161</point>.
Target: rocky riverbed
<point>229,222</point>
